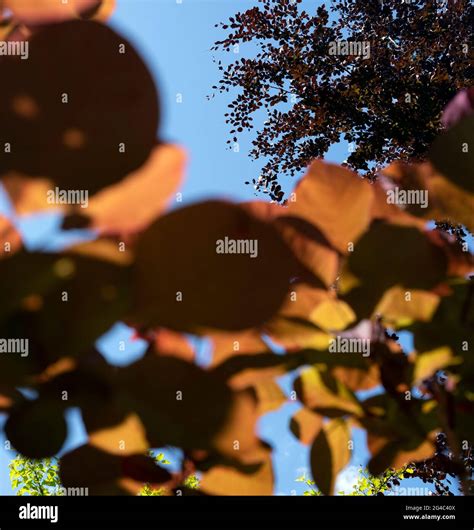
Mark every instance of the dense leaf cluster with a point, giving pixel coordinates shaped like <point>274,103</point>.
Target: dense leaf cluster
<point>385,103</point>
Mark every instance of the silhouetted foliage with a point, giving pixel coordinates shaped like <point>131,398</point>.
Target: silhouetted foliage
<point>384,98</point>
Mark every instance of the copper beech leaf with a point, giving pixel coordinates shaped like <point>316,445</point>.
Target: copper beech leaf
<point>305,425</point>
<point>102,473</point>
<point>310,247</point>
<point>8,397</point>
<point>39,12</point>
<point>396,454</point>
<point>132,204</point>
<point>355,379</point>
<point>400,307</point>
<point>193,272</point>
<point>61,303</point>
<point>321,392</point>
<point>175,344</point>
<point>452,324</point>
<point>445,199</point>
<point>270,396</point>
<point>227,480</point>
<point>237,437</point>
<point>428,363</point>
<point>381,257</point>
<point>398,435</point>
<point>177,402</point>
<point>28,194</point>
<point>451,153</point>
<point>386,256</point>
<point>336,201</point>
<point>37,429</point>
<point>68,118</point>
<point>129,437</point>
<point>228,344</point>
<point>461,105</point>
<point>10,238</point>
<point>332,315</point>
<point>330,454</point>
<point>292,326</point>
<point>307,242</point>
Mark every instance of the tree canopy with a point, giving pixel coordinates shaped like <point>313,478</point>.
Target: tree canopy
<point>373,74</point>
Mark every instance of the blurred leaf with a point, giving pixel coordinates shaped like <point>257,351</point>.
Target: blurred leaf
<point>357,378</point>
<point>461,105</point>
<point>8,397</point>
<point>190,284</point>
<point>446,200</point>
<point>37,429</point>
<point>336,201</point>
<point>295,333</point>
<point>127,438</point>
<point>379,263</point>
<point>178,403</point>
<point>451,156</point>
<point>400,307</point>
<point>332,315</point>
<point>171,343</point>
<point>392,454</point>
<point>228,344</point>
<point>132,204</point>
<point>270,396</point>
<point>321,392</point>
<point>310,247</point>
<point>60,304</point>
<point>222,480</point>
<point>428,363</point>
<point>10,238</point>
<point>237,438</point>
<point>305,425</point>
<point>104,132</point>
<point>452,324</point>
<point>40,12</point>
<point>106,474</point>
<point>330,454</point>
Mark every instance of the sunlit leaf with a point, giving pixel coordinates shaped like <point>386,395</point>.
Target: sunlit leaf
<point>333,315</point>
<point>428,363</point>
<point>399,307</point>
<point>132,204</point>
<point>320,392</point>
<point>305,425</point>
<point>222,480</point>
<point>336,201</point>
<point>39,12</point>
<point>127,438</point>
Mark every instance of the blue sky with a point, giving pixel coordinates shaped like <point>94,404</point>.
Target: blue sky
<point>175,40</point>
